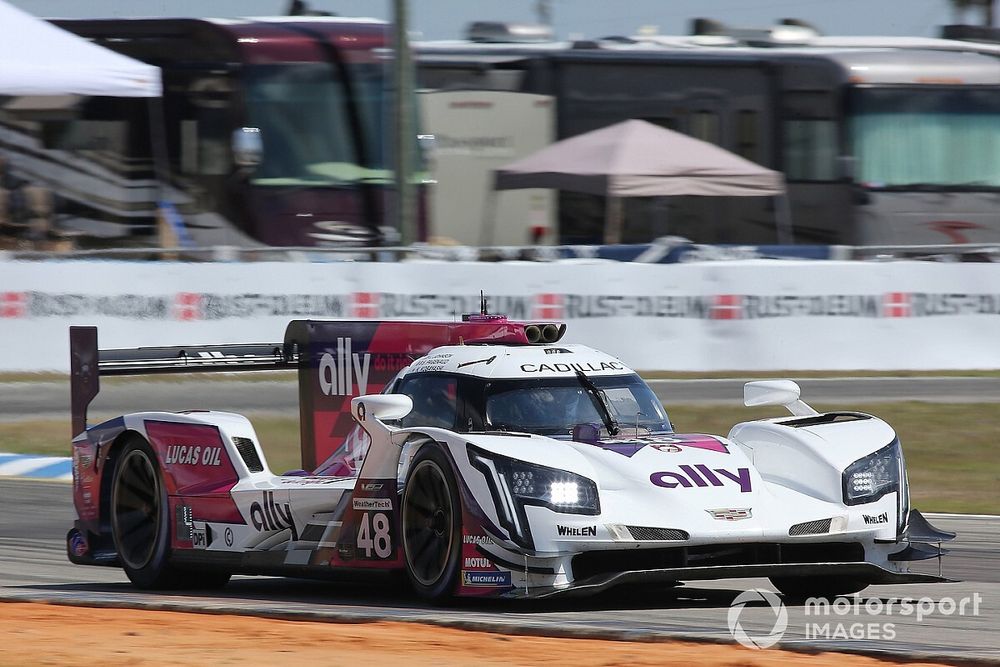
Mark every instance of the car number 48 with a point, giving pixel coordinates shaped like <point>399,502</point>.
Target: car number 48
<point>374,534</point>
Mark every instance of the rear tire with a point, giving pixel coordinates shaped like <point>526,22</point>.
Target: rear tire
<point>800,588</point>
<point>432,525</point>
<point>140,524</point>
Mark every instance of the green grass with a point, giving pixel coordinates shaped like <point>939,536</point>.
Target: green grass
<point>951,449</point>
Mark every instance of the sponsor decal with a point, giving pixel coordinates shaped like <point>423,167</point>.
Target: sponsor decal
<point>668,444</point>
<point>369,504</point>
<point>476,539</point>
<point>13,304</point>
<point>78,545</point>
<point>493,579</point>
<point>199,538</point>
<point>267,515</point>
<point>577,531</point>
<point>731,514</point>
<point>587,306</point>
<point>371,486</point>
<point>881,518</point>
<point>187,306</point>
<point>567,368</point>
<point>446,306</point>
<point>365,304</point>
<point>196,306</point>
<point>338,375</point>
<point>701,476</point>
<point>229,536</point>
<point>228,306</point>
<point>436,362</point>
<point>896,304</point>
<point>478,562</point>
<point>548,307</point>
<point>193,455</point>
<point>727,307</point>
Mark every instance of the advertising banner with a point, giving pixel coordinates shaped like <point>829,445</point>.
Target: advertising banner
<point>740,315</point>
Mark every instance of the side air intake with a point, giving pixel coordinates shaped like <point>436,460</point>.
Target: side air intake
<point>249,454</point>
<point>645,534</point>
<point>810,528</point>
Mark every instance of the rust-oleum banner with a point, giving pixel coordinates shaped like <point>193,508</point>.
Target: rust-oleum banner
<point>708,316</point>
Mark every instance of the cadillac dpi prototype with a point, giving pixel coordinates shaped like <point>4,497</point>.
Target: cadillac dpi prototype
<point>482,458</point>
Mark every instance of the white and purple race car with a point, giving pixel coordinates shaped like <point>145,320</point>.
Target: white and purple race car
<point>482,458</point>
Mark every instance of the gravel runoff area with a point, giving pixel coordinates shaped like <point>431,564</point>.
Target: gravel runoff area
<point>40,634</point>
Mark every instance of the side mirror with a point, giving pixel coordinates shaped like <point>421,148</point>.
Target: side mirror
<point>248,146</point>
<point>381,406</point>
<point>770,392</point>
<point>776,392</point>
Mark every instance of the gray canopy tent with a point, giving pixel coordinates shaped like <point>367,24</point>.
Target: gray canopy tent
<point>635,158</point>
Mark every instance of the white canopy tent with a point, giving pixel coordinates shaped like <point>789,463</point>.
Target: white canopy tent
<point>37,58</point>
<point>45,71</point>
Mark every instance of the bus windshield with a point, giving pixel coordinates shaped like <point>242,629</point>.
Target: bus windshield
<point>303,112</point>
<point>554,406</point>
<point>926,138</point>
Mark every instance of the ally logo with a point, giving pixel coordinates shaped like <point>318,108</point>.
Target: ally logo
<point>775,615</point>
<point>338,374</point>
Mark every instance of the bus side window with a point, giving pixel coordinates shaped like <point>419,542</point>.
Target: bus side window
<point>810,149</point>
<point>746,134</point>
<point>705,125</point>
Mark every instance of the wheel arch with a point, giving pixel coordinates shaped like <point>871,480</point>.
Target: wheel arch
<point>108,473</point>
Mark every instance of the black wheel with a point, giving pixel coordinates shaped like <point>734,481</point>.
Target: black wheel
<point>140,524</point>
<point>432,524</point>
<point>800,588</point>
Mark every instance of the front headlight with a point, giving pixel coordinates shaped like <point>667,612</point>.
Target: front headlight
<point>868,479</point>
<point>515,484</point>
<point>559,490</point>
<point>532,484</point>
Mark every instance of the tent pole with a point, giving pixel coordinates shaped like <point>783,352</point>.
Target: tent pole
<point>487,232</point>
<point>613,220</point>
<point>783,220</point>
<point>161,170</point>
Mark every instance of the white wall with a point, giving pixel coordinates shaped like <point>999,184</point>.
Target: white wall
<point>752,315</point>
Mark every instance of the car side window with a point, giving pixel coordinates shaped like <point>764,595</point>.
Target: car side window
<point>434,401</point>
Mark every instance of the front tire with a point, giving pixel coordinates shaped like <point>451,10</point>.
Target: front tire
<point>801,588</point>
<point>432,525</point>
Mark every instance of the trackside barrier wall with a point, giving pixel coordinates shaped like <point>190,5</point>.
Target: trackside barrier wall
<point>741,315</point>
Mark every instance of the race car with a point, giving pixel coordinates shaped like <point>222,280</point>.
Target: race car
<point>484,457</point>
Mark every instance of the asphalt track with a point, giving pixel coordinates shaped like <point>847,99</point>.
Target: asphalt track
<point>50,400</point>
<point>33,566</point>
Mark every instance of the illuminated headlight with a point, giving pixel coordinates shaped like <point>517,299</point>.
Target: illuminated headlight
<point>868,479</point>
<point>564,493</point>
<point>531,484</point>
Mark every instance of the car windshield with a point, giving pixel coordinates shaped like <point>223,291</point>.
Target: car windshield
<point>554,406</point>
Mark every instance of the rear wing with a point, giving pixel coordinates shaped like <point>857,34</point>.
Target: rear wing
<point>88,364</point>
<point>335,361</point>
